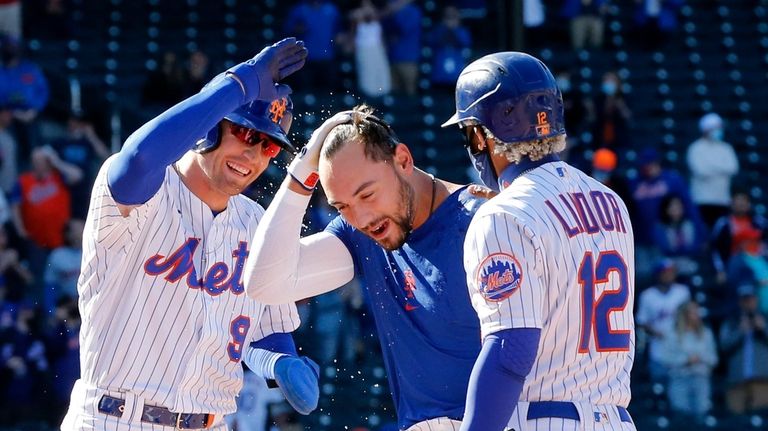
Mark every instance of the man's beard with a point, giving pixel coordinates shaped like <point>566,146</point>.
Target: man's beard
<point>404,221</point>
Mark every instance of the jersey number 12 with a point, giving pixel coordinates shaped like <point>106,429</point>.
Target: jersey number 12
<point>595,317</point>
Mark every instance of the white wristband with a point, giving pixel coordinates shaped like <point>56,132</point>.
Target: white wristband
<point>303,173</point>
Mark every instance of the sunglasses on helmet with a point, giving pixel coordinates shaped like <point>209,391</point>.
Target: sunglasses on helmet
<point>254,137</point>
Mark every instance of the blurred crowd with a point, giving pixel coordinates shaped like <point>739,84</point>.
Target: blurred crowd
<point>702,265</point>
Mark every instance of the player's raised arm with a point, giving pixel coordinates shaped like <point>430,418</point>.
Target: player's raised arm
<point>282,267</point>
<point>138,170</point>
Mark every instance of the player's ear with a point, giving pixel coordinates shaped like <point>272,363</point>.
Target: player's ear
<point>480,138</point>
<point>403,159</point>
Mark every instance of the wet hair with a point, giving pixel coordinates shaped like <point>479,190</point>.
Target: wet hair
<point>376,136</point>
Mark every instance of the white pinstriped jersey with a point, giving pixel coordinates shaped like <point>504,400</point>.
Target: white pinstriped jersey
<point>554,250</point>
<point>165,315</point>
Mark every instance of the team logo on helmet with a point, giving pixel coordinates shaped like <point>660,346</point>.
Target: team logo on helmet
<point>498,276</point>
<point>277,109</point>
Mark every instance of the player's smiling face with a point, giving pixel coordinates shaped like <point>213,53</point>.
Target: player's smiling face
<point>234,164</point>
<point>372,196</point>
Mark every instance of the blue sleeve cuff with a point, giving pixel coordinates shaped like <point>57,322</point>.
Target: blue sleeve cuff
<point>279,342</point>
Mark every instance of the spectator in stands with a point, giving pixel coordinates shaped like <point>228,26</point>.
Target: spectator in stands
<point>5,209</point>
<point>317,23</point>
<point>15,276</point>
<point>196,73</point>
<point>165,85</point>
<point>676,235</point>
<point>63,348</point>
<point>450,42</point>
<point>656,21</point>
<point>586,18</point>
<point>744,343</point>
<point>750,265</point>
<point>604,163</point>
<point>23,363</point>
<point>10,18</point>
<point>690,354</point>
<point>652,185</point>
<point>52,20</point>
<point>579,109</point>
<point>63,267</point>
<point>372,64</point>
<point>41,207</point>
<point>82,147</point>
<point>657,308</point>
<point>713,164</point>
<point>24,88</point>
<point>8,149</point>
<point>612,115</point>
<point>730,229</point>
<point>403,36</point>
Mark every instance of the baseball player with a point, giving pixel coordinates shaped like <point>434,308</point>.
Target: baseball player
<point>549,263</point>
<point>165,321</point>
<point>401,230</point>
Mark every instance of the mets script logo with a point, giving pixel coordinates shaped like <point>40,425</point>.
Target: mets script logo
<point>277,109</point>
<point>498,276</point>
<point>409,287</point>
<point>217,280</point>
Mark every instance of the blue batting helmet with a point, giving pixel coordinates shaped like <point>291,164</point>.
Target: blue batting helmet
<point>513,94</point>
<point>271,118</point>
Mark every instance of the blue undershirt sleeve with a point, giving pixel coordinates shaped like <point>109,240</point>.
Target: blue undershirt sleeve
<point>279,342</point>
<point>137,171</point>
<point>497,378</point>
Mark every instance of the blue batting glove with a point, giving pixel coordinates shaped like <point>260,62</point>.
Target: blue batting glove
<point>298,380</point>
<point>259,74</point>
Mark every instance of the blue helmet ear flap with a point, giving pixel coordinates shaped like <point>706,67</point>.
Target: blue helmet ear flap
<point>209,142</point>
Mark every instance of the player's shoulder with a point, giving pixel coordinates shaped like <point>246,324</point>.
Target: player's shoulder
<point>106,163</point>
<point>466,200</point>
<point>245,203</point>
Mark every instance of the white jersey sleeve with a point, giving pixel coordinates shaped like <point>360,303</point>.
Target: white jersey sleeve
<point>282,266</point>
<point>277,319</point>
<point>504,273</point>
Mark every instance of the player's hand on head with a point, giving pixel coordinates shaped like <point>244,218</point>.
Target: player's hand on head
<point>297,378</point>
<point>275,62</point>
<point>481,191</point>
<point>304,166</point>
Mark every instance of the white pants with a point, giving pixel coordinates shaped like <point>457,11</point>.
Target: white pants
<point>84,414</point>
<point>436,424</point>
<point>593,418</point>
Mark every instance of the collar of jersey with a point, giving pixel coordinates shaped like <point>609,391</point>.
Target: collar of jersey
<point>436,219</point>
<point>514,170</point>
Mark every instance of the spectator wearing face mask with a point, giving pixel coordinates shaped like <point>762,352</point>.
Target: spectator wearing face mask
<point>712,163</point>
<point>613,116</point>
